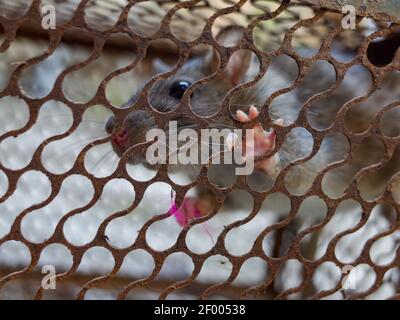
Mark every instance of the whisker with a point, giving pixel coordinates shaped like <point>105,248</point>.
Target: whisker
<point>178,149</point>
<point>71,116</point>
<point>101,159</point>
<point>78,144</point>
<point>116,160</point>
<point>57,125</point>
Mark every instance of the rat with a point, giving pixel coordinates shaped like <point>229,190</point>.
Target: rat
<point>245,105</point>
<point>165,95</point>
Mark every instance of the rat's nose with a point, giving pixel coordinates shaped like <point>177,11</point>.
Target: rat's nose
<point>121,138</point>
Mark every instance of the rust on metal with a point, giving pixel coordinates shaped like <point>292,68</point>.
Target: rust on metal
<point>386,10</point>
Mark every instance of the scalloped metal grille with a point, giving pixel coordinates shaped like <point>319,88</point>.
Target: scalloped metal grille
<point>65,202</point>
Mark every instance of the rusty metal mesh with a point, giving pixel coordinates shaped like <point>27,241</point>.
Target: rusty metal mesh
<point>284,244</point>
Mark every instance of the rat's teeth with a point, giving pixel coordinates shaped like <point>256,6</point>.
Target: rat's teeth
<point>231,140</point>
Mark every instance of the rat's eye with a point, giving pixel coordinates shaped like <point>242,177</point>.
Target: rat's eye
<point>178,88</point>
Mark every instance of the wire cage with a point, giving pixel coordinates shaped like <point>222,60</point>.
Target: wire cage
<point>78,219</point>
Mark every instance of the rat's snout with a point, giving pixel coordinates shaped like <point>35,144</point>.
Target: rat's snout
<point>130,133</point>
<point>120,138</point>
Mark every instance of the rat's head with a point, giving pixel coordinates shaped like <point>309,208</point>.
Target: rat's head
<point>165,95</point>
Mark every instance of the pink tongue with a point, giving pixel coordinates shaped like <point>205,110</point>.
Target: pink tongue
<point>186,212</point>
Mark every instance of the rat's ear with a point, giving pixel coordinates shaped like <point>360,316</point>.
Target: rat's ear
<point>160,66</point>
<point>230,36</point>
<point>238,66</point>
<point>239,62</point>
